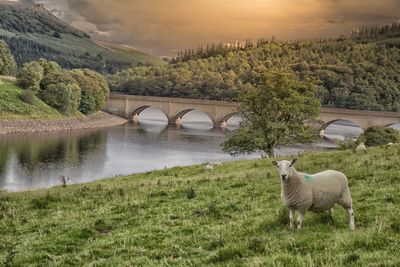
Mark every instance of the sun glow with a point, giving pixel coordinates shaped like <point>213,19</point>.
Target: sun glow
<point>163,27</point>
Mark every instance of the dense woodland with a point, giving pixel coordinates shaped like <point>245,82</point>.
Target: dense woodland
<point>359,72</point>
<point>7,62</point>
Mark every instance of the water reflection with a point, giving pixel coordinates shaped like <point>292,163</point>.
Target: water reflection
<point>37,161</point>
<point>31,161</point>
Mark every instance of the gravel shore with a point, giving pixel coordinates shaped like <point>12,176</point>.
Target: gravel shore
<point>98,120</point>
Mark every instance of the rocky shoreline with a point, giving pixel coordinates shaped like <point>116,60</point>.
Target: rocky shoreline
<point>98,120</point>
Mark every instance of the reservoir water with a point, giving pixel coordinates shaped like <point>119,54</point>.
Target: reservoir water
<point>37,161</point>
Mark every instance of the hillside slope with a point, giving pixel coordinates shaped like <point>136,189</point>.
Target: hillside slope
<point>231,216</point>
<point>12,107</point>
<point>33,32</point>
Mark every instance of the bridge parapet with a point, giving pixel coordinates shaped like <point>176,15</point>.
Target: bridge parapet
<point>220,112</point>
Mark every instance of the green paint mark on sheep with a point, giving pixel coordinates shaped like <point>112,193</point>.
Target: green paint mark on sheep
<point>308,177</point>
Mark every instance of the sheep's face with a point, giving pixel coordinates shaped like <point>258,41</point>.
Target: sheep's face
<point>285,168</point>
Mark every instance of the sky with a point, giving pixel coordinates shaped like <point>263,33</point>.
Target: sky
<point>164,27</point>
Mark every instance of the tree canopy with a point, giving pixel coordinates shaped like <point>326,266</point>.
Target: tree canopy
<point>276,112</point>
<point>70,92</point>
<point>7,62</point>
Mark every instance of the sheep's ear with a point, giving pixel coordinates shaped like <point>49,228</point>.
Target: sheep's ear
<point>293,162</point>
<point>275,163</point>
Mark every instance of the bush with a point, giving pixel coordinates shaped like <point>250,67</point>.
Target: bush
<point>88,103</point>
<point>49,66</point>
<point>94,88</point>
<point>28,96</point>
<point>57,35</point>
<point>348,143</point>
<point>61,92</point>
<point>30,76</point>
<point>379,135</point>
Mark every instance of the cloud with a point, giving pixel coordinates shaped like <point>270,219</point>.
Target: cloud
<point>162,27</point>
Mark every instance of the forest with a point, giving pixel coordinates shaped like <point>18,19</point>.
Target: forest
<point>361,71</point>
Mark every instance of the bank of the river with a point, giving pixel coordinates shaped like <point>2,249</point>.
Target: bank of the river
<point>187,216</point>
<point>16,116</point>
<point>97,120</point>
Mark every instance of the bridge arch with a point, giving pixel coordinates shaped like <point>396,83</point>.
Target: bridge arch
<point>134,113</point>
<point>178,118</point>
<point>227,117</point>
<point>325,125</point>
<point>183,113</point>
<point>137,111</point>
<point>393,124</point>
<point>224,120</point>
<point>129,105</point>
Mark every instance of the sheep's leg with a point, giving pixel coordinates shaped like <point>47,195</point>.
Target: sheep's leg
<point>346,203</point>
<point>300,217</point>
<point>291,217</point>
<point>351,218</point>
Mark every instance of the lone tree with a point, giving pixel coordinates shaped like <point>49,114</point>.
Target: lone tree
<point>278,111</point>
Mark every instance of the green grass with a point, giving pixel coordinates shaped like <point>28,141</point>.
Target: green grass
<point>231,216</point>
<point>12,107</point>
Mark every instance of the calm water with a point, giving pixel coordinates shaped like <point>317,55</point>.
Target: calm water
<point>37,161</point>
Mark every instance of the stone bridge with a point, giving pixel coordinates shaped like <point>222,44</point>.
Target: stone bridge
<point>130,106</point>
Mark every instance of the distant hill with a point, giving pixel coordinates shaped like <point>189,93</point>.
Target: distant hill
<point>32,32</point>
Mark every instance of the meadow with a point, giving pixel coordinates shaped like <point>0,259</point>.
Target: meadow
<point>12,107</point>
<point>187,216</point>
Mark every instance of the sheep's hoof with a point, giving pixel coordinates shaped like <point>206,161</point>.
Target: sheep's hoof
<point>352,227</point>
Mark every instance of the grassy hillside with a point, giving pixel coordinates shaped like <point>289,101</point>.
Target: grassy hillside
<point>33,32</point>
<point>231,216</point>
<point>12,107</point>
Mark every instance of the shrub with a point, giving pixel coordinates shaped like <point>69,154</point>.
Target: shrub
<point>57,35</point>
<point>94,89</point>
<point>28,96</point>
<point>49,66</point>
<point>61,92</point>
<point>348,143</point>
<point>379,135</point>
<point>30,76</point>
<point>88,103</point>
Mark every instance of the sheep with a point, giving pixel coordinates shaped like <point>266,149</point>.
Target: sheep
<point>208,167</point>
<point>317,192</point>
<point>361,147</point>
<point>217,163</point>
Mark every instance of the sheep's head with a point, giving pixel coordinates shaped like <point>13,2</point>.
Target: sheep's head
<point>285,168</point>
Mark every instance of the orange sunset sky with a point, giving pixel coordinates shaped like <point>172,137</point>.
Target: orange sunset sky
<point>163,27</point>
